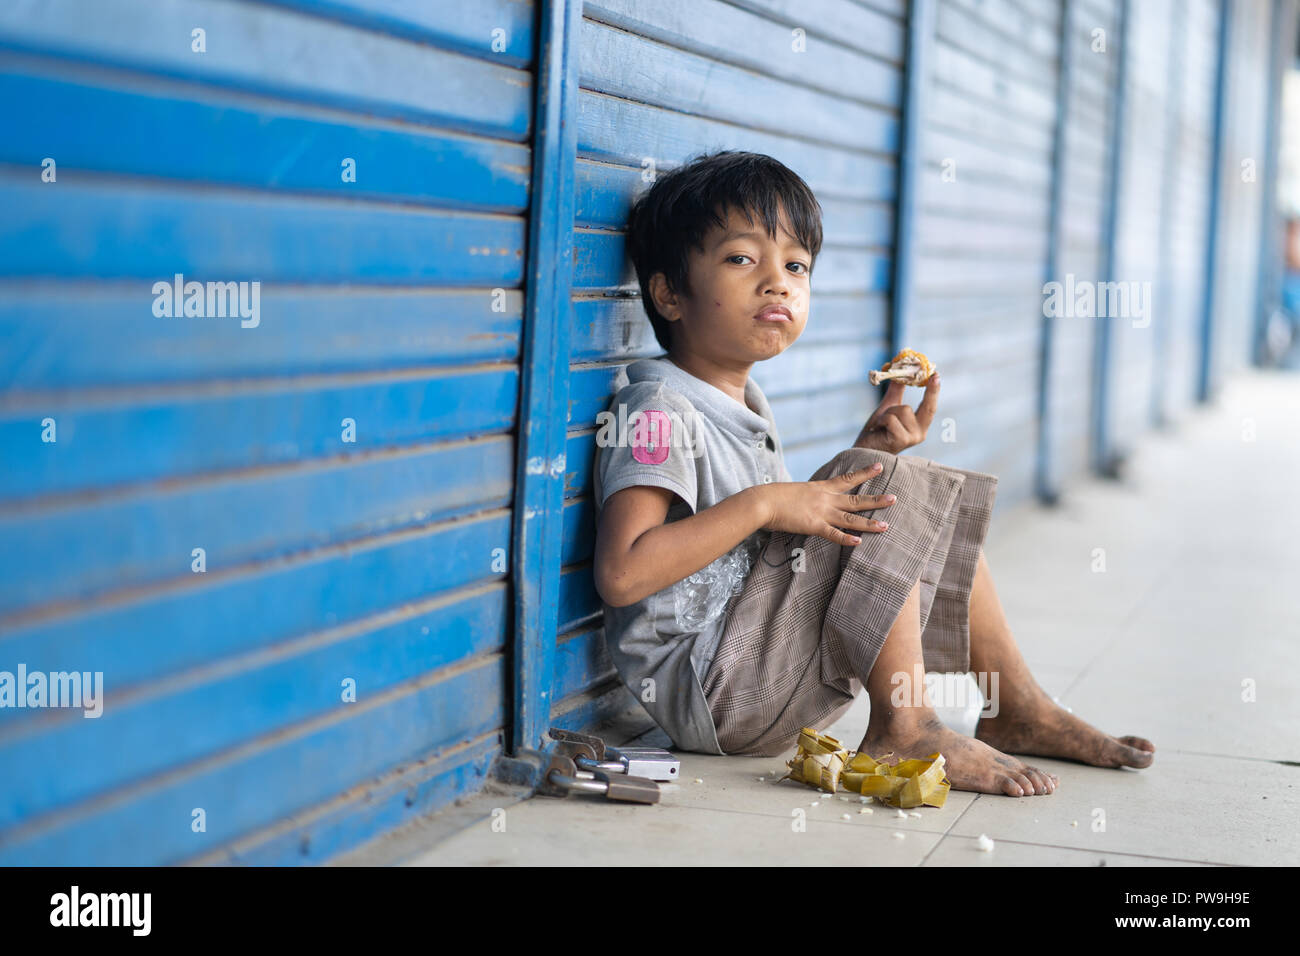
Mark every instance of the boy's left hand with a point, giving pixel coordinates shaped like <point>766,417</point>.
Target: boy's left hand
<point>893,426</point>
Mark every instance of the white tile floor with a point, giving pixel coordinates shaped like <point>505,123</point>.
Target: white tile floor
<point>1200,598</point>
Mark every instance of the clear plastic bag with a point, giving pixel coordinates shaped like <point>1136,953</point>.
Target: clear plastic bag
<point>701,597</point>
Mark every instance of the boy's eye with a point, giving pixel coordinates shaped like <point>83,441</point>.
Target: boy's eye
<point>803,268</point>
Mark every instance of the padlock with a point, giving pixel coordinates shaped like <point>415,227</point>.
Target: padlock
<point>648,762</point>
<point>562,777</point>
<point>590,753</point>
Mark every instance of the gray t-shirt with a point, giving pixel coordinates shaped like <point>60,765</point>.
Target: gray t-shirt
<point>669,429</point>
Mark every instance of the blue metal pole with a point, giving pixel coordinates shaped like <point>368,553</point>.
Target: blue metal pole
<point>1101,452</point>
<point>1203,383</point>
<point>911,162</point>
<point>544,387</point>
<point>1044,482</point>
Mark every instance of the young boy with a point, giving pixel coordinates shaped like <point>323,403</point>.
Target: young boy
<point>741,605</point>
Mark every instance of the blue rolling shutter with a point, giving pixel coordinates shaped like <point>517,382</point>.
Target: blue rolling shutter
<point>983,229</point>
<point>1190,161</point>
<point>662,82</point>
<point>392,302</point>
<point>1143,206</point>
<point>1084,168</point>
<point>1245,140</point>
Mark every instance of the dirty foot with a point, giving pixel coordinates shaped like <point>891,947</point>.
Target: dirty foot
<point>970,764</point>
<point>1036,726</point>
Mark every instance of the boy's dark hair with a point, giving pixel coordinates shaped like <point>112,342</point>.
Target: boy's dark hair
<point>674,215</point>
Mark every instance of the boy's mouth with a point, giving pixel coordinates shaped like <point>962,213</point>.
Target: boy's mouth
<point>775,313</point>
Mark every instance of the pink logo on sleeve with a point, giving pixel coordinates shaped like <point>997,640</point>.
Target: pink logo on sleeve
<point>650,437</point>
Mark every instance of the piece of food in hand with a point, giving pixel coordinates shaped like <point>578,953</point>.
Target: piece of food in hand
<point>908,366</point>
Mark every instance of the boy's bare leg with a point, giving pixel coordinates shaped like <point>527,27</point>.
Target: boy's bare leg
<point>913,730</point>
<point>1028,722</point>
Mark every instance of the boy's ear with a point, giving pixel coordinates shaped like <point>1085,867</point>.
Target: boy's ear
<point>665,299</point>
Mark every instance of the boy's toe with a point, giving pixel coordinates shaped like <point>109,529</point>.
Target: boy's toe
<point>1133,757</point>
<point>1010,786</point>
<point>1139,743</point>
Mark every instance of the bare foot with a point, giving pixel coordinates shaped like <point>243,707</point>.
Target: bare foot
<point>1036,726</point>
<point>969,764</point>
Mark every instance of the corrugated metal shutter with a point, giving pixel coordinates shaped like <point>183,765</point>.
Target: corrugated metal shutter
<point>1245,134</point>
<point>1190,159</point>
<point>1142,208</point>
<point>392,302</point>
<point>1084,167</point>
<point>982,231</point>
<point>662,82</point>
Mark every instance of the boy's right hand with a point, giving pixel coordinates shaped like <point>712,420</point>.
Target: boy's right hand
<point>823,507</point>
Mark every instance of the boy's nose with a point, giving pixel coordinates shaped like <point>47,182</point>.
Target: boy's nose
<point>776,284</point>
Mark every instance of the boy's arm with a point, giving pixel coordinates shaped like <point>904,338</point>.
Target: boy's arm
<point>638,555</point>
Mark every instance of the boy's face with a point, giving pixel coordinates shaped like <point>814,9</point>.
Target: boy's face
<point>740,273</point>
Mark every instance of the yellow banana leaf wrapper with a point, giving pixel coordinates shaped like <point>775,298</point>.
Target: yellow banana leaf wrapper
<point>907,784</point>
<point>818,761</point>
<point>823,762</point>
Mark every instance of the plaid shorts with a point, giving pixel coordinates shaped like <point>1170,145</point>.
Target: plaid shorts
<point>812,615</point>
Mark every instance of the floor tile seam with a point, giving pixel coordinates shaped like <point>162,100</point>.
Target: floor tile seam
<point>1080,849</point>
